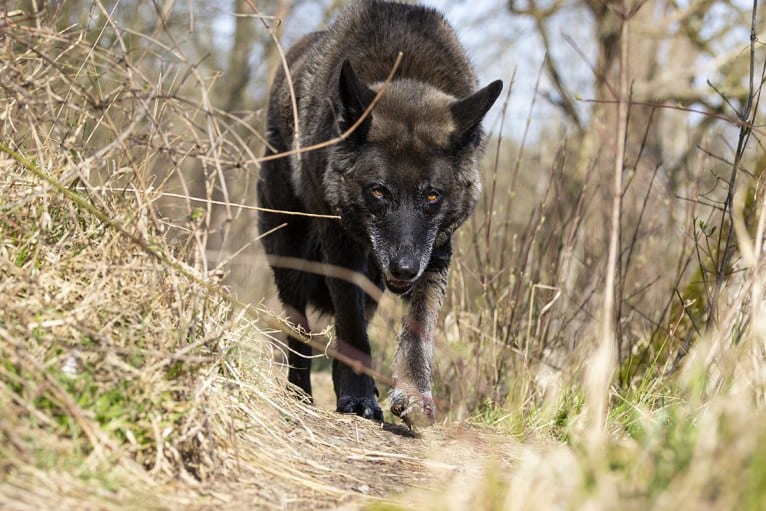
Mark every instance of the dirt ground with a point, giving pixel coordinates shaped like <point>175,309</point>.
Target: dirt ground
<point>384,461</point>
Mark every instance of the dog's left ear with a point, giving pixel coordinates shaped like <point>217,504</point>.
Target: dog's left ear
<point>469,112</point>
<point>355,97</point>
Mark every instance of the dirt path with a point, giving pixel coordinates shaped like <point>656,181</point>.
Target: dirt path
<point>385,461</point>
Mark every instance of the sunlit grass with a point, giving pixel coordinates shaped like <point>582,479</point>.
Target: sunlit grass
<point>126,383</point>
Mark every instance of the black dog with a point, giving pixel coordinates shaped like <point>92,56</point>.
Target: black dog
<point>401,183</point>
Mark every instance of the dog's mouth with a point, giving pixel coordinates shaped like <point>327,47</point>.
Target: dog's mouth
<point>398,286</point>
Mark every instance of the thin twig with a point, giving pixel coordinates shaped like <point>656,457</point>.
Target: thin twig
<point>343,136</point>
<point>746,117</point>
<point>210,201</point>
<point>600,371</point>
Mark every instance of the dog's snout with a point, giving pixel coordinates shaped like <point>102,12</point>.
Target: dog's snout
<point>404,268</point>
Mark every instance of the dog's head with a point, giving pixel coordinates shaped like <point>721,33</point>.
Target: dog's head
<point>408,175</point>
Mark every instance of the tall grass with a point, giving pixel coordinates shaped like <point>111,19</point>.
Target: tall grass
<point>131,377</point>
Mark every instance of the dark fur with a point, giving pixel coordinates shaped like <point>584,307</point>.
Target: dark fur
<point>402,183</point>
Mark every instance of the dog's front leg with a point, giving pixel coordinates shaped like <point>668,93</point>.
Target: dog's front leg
<point>411,398</point>
<point>355,391</point>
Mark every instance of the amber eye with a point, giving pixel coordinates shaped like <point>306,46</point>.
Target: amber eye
<point>378,192</point>
<point>432,197</point>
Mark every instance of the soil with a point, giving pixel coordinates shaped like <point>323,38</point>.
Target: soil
<point>384,461</point>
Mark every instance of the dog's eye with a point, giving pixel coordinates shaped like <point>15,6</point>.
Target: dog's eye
<point>378,192</point>
<point>433,197</point>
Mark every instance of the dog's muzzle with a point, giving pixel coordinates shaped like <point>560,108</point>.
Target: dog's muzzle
<point>402,273</point>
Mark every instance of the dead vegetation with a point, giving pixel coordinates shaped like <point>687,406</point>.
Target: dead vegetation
<point>126,382</point>
<point>131,377</point>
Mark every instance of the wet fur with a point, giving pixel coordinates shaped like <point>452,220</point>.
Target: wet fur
<point>423,140</point>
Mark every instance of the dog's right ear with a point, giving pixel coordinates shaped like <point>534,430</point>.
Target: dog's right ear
<point>355,97</point>
<point>469,112</point>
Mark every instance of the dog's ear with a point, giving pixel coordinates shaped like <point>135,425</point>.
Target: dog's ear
<point>469,112</point>
<point>355,97</point>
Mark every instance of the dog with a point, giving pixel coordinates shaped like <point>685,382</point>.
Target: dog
<point>401,182</point>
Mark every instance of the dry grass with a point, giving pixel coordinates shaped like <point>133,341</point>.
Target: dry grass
<point>126,382</point>
<point>130,377</point>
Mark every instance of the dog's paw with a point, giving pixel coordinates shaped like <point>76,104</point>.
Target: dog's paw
<point>366,407</point>
<point>415,409</point>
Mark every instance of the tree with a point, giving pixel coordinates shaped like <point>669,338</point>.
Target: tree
<point>682,57</point>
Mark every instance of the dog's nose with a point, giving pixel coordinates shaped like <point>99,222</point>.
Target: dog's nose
<point>404,268</point>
